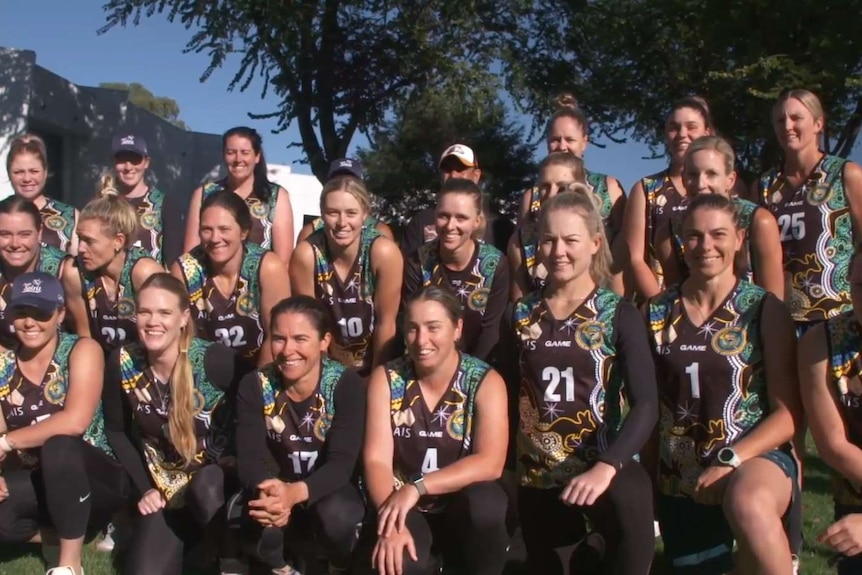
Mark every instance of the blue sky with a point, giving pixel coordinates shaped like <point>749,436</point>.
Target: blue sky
<point>63,35</point>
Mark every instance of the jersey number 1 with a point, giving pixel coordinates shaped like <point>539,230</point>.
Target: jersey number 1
<point>693,373</point>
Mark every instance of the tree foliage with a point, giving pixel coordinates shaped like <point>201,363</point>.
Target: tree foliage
<point>338,66</point>
<point>627,60</point>
<point>402,161</point>
<point>161,106</point>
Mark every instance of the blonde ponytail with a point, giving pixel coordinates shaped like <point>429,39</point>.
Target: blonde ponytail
<point>181,414</point>
<point>115,213</point>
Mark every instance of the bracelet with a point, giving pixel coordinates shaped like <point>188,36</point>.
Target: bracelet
<point>4,444</point>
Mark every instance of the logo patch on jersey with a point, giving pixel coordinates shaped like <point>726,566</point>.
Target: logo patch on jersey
<point>245,304</point>
<point>55,392</point>
<point>257,209</point>
<point>590,335</point>
<point>148,220</point>
<point>478,300</point>
<point>55,223</point>
<point>729,340</point>
<point>321,426</point>
<point>661,201</point>
<point>819,194</point>
<point>532,331</point>
<point>455,425</point>
<point>125,308</point>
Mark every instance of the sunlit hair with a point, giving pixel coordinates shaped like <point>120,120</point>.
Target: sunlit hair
<point>451,304</point>
<point>232,203</point>
<point>808,99</point>
<point>568,160</point>
<point>566,106</point>
<point>462,186</point>
<point>27,144</point>
<point>353,186</point>
<point>711,202</point>
<point>116,215</point>
<point>19,205</point>
<point>307,306</point>
<point>260,184</point>
<point>699,105</point>
<point>716,143</point>
<point>579,199</point>
<point>181,411</point>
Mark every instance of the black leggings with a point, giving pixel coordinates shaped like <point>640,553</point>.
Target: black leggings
<point>75,485</point>
<point>471,529</point>
<point>159,539</point>
<point>623,516</point>
<point>333,520</point>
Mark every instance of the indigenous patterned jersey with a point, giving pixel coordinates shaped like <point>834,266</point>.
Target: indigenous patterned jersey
<point>50,261</point>
<point>350,301</point>
<point>472,285</point>
<point>25,402</point>
<point>262,214</point>
<point>816,236</point>
<point>712,381</point>
<point>296,431</point>
<point>664,204</point>
<point>571,391</point>
<point>233,321</point>
<point>430,437</point>
<point>844,340</point>
<point>744,259</point>
<point>150,400</point>
<point>112,323</point>
<point>58,224</point>
<point>150,223</point>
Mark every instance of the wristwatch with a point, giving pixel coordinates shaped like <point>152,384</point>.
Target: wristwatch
<point>4,444</point>
<point>418,481</point>
<point>728,457</point>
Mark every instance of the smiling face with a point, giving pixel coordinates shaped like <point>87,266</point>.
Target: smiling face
<point>796,127</point>
<point>343,217</point>
<point>458,217</point>
<point>432,336</point>
<point>221,235</point>
<point>161,318</point>
<point>297,345</point>
<point>240,158</point>
<point>130,168</point>
<point>706,172</point>
<point>711,242</point>
<point>684,126</point>
<point>566,245</point>
<point>566,134</point>
<point>19,240</point>
<point>27,174</point>
<point>35,328</point>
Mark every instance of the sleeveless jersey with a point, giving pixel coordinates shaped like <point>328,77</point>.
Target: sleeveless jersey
<point>296,440</point>
<point>744,264</point>
<point>234,322</point>
<point>664,204</point>
<point>816,236</point>
<point>112,323</point>
<point>150,224</point>
<point>25,402</point>
<point>472,285</point>
<point>50,261</point>
<point>58,224</point>
<point>350,302</point>
<point>431,437</point>
<point>844,340</point>
<point>571,391</point>
<point>149,401</point>
<point>712,381</point>
<point>262,214</point>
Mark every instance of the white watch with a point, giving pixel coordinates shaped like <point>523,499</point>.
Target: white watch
<point>728,457</point>
<point>4,444</point>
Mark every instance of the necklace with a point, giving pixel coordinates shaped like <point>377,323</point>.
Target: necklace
<point>164,396</point>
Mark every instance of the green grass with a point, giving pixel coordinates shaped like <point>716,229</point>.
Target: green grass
<point>817,509</point>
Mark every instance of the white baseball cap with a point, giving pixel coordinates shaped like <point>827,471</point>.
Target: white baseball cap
<point>464,154</point>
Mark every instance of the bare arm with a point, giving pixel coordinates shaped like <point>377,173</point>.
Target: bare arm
<point>73,241</point>
<point>86,366</point>
<point>274,287</point>
<point>388,268</point>
<point>144,268</point>
<point>853,190</point>
<point>193,220</point>
<point>766,251</point>
<point>379,450</point>
<point>635,230</point>
<point>519,278</point>
<point>282,227</point>
<point>524,208</point>
<point>301,270</point>
<point>384,230</point>
<point>76,307</point>
<point>821,403</point>
<point>490,442</point>
<point>616,241</point>
<point>778,338</point>
<point>667,255</point>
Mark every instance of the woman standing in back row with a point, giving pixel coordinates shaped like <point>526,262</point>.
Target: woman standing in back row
<point>817,200</point>
<point>269,203</point>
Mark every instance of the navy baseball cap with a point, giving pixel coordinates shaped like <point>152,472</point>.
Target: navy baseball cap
<point>129,143</point>
<point>346,167</point>
<point>37,289</point>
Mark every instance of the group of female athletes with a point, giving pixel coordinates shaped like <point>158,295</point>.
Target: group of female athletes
<point>330,405</point>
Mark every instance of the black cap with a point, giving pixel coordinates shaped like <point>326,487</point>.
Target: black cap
<point>37,289</point>
<point>346,167</point>
<point>130,143</point>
